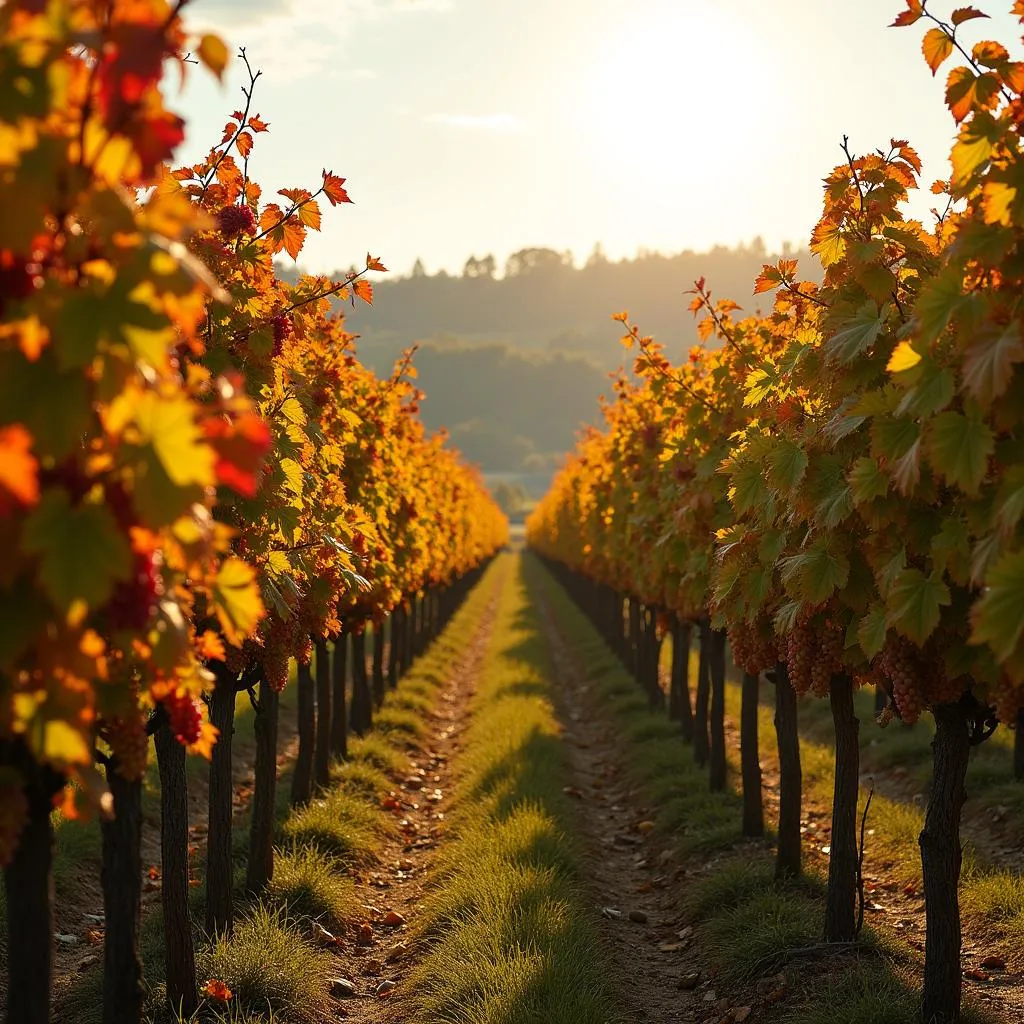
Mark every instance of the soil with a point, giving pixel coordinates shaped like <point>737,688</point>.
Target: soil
<point>656,968</point>
<point>79,913</point>
<point>656,964</point>
<point>376,957</point>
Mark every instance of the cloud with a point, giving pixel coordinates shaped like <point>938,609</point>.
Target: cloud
<point>226,14</point>
<point>293,39</point>
<point>503,124</point>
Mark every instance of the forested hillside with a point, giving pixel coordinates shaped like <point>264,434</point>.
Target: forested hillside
<point>513,364</point>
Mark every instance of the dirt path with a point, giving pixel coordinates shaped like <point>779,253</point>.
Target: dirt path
<point>657,969</point>
<point>651,958</point>
<point>381,952</point>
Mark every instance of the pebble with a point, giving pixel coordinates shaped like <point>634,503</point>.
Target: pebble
<point>638,916</point>
<point>342,987</point>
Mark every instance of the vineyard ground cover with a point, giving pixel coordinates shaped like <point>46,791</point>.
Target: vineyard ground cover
<point>746,928</point>
<point>327,866</point>
<point>510,928</point>
<point>991,893</point>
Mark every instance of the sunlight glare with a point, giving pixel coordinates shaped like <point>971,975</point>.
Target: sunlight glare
<point>665,87</point>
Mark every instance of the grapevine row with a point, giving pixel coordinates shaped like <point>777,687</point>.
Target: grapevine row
<point>199,482</point>
<point>838,486</point>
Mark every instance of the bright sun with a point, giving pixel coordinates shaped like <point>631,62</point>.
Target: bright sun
<point>664,88</point>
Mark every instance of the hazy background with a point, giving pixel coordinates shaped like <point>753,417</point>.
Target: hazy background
<point>520,165</point>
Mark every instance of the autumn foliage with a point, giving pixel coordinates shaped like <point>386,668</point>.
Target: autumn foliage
<point>840,481</point>
<point>194,467</point>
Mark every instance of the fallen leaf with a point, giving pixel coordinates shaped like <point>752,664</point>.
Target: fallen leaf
<point>392,919</point>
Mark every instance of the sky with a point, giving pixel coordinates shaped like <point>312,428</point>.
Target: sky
<point>467,127</point>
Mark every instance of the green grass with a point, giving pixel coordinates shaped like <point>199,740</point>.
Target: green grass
<point>341,825</point>
<point>511,937</point>
<point>308,885</point>
<point>276,973</point>
<point>991,899</point>
<point>270,966</point>
<point>747,925</point>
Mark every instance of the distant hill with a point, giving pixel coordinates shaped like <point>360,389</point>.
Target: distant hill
<point>512,365</point>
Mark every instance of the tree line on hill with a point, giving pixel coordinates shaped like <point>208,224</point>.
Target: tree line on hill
<point>513,362</point>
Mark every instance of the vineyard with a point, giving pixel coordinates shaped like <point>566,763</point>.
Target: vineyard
<point>290,732</point>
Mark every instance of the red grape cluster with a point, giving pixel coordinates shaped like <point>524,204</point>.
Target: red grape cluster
<point>233,221</point>
<point>900,663</point>
<point>283,329</point>
<point>1008,700</point>
<point>814,652</point>
<point>800,653</point>
<point>131,605</point>
<point>918,677</point>
<point>13,815</point>
<point>829,656</point>
<point>184,717</point>
<point>275,660</point>
<point>754,648</point>
<point>130,744</point>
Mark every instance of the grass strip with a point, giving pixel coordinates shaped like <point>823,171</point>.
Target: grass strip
<point>511,935</point>
<point>748,926</point>
<point>276,973</point>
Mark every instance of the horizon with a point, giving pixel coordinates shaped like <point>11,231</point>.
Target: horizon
<point>677,127</point>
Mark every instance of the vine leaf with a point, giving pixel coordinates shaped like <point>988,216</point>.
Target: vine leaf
<point>236,600</point>
<point>857,335</point>
<point>82,552</point>
<point>988,363</point>
<point>915,603</point>
<point>937,46</point>
<point>998,616</point>
<point>959,448</point>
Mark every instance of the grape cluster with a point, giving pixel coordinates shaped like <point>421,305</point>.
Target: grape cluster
<point>753,646</point>
<point>233,221</point>
<point>800,656</point>
<point>13,815</point>
<point>900,663</point>
<point>184,717</point>
<point>813,654</point>
<point>829,656</point>
<point>236,659</point>
<point>283,329</point>
<point>128,740</point>
<point>131,605</point>
<point>275,657</point>
<point>919,677</point>
<point>1008,700</point>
